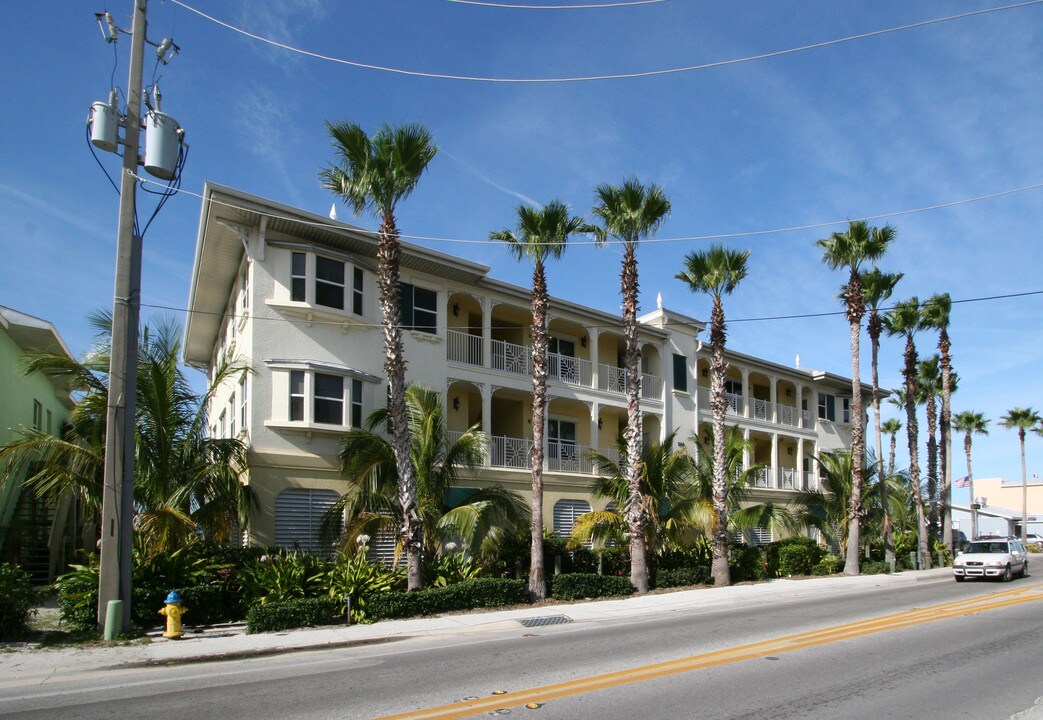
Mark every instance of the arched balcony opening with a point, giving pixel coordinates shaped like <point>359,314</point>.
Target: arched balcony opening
<point>510,426</point>
<point>464,329</point>
<point>463,407</point>
<point>569,353</point>
<point>569,436</point>
<point>760,400</point>
<point>511,350</point>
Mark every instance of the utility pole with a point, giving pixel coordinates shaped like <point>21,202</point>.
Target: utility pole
<point>117,514</point>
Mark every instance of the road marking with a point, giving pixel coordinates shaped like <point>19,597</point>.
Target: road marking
<point>813,638</point>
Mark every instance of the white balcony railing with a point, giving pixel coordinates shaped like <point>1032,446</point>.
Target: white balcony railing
<point>787,415</point>
<point>810,483</point>
<point>464,347</point>
<point>569,369</point>
<point>651,387</point>
<point>511,358</point>
<point>510,452</point>
<point>761,410</point>
<point>612,378</point>
<point>762,478</point>
<point>567,456</point>
<point>789,479</point>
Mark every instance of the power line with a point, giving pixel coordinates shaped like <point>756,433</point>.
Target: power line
<point>593,6</point>
<point>689,238</point>
<point>377,326</point>
<point>588,78</point>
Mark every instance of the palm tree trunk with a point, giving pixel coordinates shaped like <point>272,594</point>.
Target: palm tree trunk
<point>537,585</point>
<point>932,461</point>
<point>411,531</point>
<point>851,558</point>
<point>1024,489</point>
<point>912,433</point>
<point>891,458</point>
<point>888,541</point>
<point>945,428</point>
<point>970,484</point>
<point>632,361</point>
<point>719,568</point>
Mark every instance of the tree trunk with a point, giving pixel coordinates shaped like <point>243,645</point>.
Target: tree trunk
<point>970,485</point>
<point>888,541</point>
<point>537,584</point>
<point>891,459</point>
<point>719,568</point>
<point>854,316</point>
<point>932,462</point>
<point>945,428</point>
<point>912,433</point>
<point>1024,490</point>
<point>635,509</point>
<point>411,531</point>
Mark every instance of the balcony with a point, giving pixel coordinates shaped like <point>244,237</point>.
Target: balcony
<point>561,455</point>
<point>517,360</point>
<point>762,410</point>
<point>783,479</point>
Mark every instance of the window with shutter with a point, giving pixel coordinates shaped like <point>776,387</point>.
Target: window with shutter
<point>565,514</point>
<point>298,520</point>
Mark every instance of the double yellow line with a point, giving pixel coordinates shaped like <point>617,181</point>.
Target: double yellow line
<point>896,621</point>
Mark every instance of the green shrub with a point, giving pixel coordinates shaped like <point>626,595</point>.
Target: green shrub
<point>17,601</point>
<point>283,576</point>
<point>453,567</point>
<point>876,567</point>
<point>682,577</point>
<point>78,596</point>
<point>482,592</point>
<point>358,579</point>
<point>829,565</point>
<point>746,562</point>
<point>799,556</point>
<point>294,613</point>
<point>579,586</point>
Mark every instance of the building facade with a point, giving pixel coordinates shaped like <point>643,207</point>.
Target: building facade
<point>294,295</point>
<point>34,532</point>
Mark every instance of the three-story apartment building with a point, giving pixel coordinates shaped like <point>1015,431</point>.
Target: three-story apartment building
<point>294,295</point>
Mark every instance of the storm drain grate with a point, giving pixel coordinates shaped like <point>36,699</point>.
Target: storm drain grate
<point>545,620</point>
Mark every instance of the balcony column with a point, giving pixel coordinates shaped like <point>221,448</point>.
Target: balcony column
<point>487,337</point>
<point>800,464</point>
<point>773,398</point>
<point>487,410</point>
<point>746,409</point>
<point>593,333</point>
<point>595,431</point>
<point>776,471</point>
<point>747,459</point>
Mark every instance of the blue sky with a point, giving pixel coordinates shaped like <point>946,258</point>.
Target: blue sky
<point>892,122</point>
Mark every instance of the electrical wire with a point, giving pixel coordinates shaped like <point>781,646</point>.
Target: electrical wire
<point>97,159</point>
<point>689,238</point>
<point>764,318</point>
<point>589,78</point>
<point>593,6</point>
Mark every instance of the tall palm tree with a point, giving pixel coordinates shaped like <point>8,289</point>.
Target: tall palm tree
<point>877,288</point>
<point>369,465</point>
<point>1022,419</point>
<point>541,234</point>
<point>892,427</point>
<point>717,272</point>
<point>905,320</point>
<point>928,381</point>
<point>851,250</point>
<point>666,480</point>
<point>971,423</point>
<point>186,483</point>
<point>376,174</point>
<point>936,315</point>
<point>631,212</point>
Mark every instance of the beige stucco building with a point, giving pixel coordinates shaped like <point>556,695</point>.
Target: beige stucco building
<point>294,295</point>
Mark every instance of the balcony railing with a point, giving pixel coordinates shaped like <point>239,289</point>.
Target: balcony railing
<point>464,347</point>
<point>569,369</point>
<point>567,456</point>
<point>508,452</point>
<point>511,358</point>
<point>783,479</point>
<point>761,410</point>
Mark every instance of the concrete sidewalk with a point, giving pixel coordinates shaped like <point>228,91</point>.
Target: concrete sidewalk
<point>232,641</point>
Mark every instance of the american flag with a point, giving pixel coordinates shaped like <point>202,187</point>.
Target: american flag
<point>962,482</point>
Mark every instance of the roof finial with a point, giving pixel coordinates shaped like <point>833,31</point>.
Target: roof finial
<point>659,300</point>
<point>333,211</point>
<point>798,359</point>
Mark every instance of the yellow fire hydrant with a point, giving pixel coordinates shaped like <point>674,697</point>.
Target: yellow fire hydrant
<point>174,610</point>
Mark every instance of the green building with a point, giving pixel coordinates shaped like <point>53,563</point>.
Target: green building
<point>36,533</point>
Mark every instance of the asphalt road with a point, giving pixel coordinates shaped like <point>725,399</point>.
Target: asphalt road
<point>890,652</point>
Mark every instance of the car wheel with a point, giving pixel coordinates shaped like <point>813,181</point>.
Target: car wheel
<point>959,578</point>
<point>1007,574</point>
<point>1024,569</point>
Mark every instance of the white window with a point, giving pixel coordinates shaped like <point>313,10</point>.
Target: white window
<point>827,407</point>
<point>298,520</point>
<point>325,398</point>
<point>242,403</point>
<point>565,514</point>
<point>231,416</point>
<point>244,288</point>
<point>323,281</point>
<point>846,410</point>
<point>222,425</point>
<point>37,415</point>
<point>419,308</point>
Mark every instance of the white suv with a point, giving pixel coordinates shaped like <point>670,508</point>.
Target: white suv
<point>994,558</point>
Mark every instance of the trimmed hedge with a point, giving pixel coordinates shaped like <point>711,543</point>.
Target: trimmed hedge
<point>682,577</point>
<point>295,613</point>
<point>479,593</point>
<point>878,567</point>
<point>799,556</point>
<point>579,586</point>
<point>17,601</point>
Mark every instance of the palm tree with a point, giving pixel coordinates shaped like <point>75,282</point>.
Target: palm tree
<point>376,174</point>
<point>892,426</point>
<point>928,381</point>
<point>905,320</point>
<point>936,315</point>
<point>630,213</point>
<point>717,271</point>
<point>971,423</point>
<point>541,234</point>
<point>877,288</point>
<point>186,484</point>
<point>666,481</point>
<point>369,465</point>
<point>1022,419</point>
<point>861,244</point>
